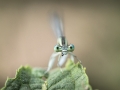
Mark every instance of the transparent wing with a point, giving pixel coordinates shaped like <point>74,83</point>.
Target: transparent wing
<point>57,24</point>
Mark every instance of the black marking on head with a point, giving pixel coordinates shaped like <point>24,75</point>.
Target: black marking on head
<point>57,47</point>
<point>62,54</point>
<point>70,47</point>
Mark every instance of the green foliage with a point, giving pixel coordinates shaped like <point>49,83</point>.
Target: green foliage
<point>72,77</point>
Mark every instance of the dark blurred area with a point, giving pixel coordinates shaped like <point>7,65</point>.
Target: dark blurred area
<point>26,37</point>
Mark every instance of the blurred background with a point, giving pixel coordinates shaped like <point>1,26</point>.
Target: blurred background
<point>26,37</point>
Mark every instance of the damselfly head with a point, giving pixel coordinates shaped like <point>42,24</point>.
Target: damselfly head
<point>64,49</point>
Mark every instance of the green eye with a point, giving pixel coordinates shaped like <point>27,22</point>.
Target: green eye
<point>71,47</point>
<point>57,48</point>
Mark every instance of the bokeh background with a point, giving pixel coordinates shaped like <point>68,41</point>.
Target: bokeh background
<point>26,37</point>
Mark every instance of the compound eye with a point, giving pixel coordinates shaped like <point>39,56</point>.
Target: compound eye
<point>57,48</point>
<point>71,47</point>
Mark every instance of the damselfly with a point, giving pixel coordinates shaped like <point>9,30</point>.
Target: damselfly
<point>62,48</point>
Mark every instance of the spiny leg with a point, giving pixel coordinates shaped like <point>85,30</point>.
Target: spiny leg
<point>62,59</point>
<point>51,61</point>
<point>58,62</point>
<point>72,55</point>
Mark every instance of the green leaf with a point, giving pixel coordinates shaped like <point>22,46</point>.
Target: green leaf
<point>26,79</point>
<point>72,77</point>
